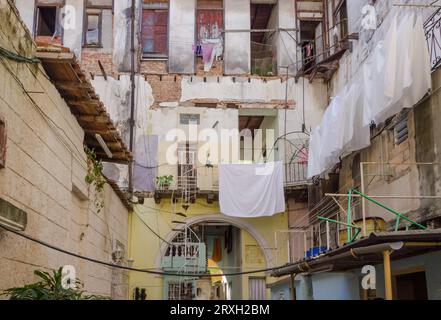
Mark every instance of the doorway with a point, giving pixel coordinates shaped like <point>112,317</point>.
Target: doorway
<point>411,286</point>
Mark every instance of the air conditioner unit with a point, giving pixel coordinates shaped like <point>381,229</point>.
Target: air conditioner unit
<point>12,217</point>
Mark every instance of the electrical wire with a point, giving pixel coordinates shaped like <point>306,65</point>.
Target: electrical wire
<point>16,57</point>
<point>117,266</point>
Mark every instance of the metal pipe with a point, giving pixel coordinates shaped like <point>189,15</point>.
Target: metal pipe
<point>390,210</point>
<point>293,286</point>
<point>342,195</point>
<point>132,98</point>
<point>387,275</point>
<point>363,200</point>
<point>348,218</point>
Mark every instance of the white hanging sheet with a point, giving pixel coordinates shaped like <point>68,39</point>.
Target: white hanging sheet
<point>397,75</point>
<point>251,190</point>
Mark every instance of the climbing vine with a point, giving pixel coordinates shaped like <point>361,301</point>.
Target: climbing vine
<point>95,177</point>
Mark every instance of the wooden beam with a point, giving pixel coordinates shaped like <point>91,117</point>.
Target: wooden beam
<point>56,57</point>
<point>94,119</point>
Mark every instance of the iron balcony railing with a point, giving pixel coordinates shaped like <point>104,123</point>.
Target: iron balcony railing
<point>432,28</point>
<point>296,174</point>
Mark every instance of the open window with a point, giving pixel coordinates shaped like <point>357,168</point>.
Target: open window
<point>263,57</point>
<point>48,22</point>
<point>93,29</point>
<point>154,33</point>
<point>209,29</point>
<point>338,33</point>
<point>323,36</point>
<point>98,24</point>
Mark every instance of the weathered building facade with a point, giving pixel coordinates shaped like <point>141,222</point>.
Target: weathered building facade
<point>196,66</point>
<point>396,168</point>
<point>175,74</point>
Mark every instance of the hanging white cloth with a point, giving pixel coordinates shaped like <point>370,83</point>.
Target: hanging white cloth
<point>397,75</point>
<point>251,190</point>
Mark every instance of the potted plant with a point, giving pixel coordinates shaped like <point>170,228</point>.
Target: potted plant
<point>164,182</point>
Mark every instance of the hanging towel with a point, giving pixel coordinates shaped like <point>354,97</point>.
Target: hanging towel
<point>251,190</point>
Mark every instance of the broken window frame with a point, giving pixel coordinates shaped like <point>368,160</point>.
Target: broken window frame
<point>341,9</point>
<point>99,14</point>
<point>58,5</point>
<point>267,34</point>
<point>155,7</point>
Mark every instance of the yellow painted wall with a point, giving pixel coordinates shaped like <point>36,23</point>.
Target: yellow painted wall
<point>145,246</point>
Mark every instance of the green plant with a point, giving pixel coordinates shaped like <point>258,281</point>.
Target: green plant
<point>164,181</point>
<point>95,176</point>
<point>50,287</point>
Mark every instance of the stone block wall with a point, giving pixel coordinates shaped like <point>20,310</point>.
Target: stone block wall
<point>44,176</point>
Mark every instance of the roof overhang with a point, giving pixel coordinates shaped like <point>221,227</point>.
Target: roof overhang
<point>63,69</point>
<point>367,251</point>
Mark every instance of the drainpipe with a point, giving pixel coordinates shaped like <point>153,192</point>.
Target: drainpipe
<point>132,98</point>
<point>387,275</point>
<point>293,286</point>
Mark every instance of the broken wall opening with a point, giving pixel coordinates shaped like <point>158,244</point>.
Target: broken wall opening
<point>263,62</point>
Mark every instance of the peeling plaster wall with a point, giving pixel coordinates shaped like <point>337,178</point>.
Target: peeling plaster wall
<point>73,37</point>
<point>313,95</point>
<point>237,58</point>
<point>115,95</point>
<point>182,26</point>
<point>122,34</point>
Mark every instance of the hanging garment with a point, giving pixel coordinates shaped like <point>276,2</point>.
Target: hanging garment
<point>217,250</point>
<point>251,190</point>
<point>207,51</point>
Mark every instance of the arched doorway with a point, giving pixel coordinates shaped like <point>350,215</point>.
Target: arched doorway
<point>220,239</point>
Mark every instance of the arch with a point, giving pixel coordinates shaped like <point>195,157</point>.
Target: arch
<point>237,222</point>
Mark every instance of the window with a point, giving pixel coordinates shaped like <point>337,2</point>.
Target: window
<point>257,288</point>
<point>401,129</point>
<point>263,56</point>
<point>154,31</point>
<point>93,29</point>
<point>187,170</point>
<point>46,21</point>
<point>189,119</point>
<point>340,31</point>
<point>209,27</point>
<point>3,139</point>
<point>180,291</point>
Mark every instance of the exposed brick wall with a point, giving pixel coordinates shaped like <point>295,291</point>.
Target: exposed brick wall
<point>153,67</point>
<point>89,62</point>
<point>165,88</point>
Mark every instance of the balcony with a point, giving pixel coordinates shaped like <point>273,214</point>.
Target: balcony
<point>432,28</point>
<point>188,257</point>
<point>320,54</point>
